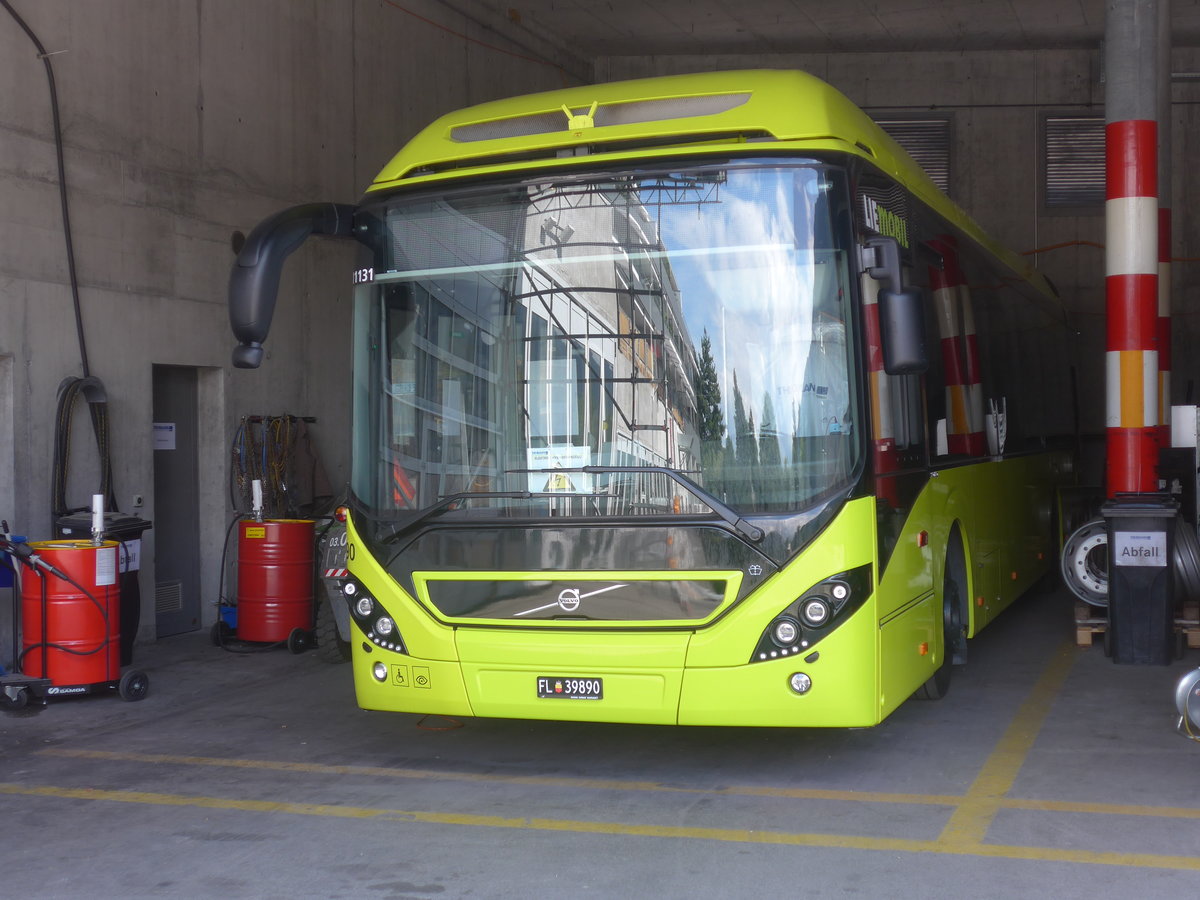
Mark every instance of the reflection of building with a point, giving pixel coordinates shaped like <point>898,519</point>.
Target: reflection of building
<point>609,365</point>
<point>589,323</point>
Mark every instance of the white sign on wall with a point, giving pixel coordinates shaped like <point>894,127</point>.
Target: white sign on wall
<point>164,435</point>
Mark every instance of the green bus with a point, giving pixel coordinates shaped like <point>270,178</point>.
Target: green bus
<point>685,400</point>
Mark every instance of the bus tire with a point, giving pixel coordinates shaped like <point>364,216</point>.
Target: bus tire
<point>330,646</point>
<point>953,630</point>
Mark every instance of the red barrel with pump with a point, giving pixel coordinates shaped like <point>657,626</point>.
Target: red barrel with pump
<point>275,578</point>
<point>78,639</point>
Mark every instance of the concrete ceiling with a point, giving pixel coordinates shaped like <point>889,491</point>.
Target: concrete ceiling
<point>591,28</point>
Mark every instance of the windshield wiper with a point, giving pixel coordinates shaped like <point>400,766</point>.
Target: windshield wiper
<point>739,524</point>
<point>423,515</point>
<point>443,503</point>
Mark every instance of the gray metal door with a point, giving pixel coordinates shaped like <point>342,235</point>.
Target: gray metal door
<point>176,501</point>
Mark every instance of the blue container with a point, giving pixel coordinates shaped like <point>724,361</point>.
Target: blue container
<point>8,564</point>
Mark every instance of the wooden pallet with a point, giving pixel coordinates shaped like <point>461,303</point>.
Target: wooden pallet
<point>1091,621</point>
<point>1189,623</point>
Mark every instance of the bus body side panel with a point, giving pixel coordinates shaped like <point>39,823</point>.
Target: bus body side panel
<point>722,687</point>
<point>1004,512</point>
<point>412,684</point>
<point>909,601</point>
<point>844,689</point>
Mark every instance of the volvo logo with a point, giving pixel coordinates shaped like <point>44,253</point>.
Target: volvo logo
<point>569,600</point>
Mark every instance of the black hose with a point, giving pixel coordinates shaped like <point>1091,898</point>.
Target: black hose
<point>97,401</point>
<point>98,412</point>
<point>62,182</point>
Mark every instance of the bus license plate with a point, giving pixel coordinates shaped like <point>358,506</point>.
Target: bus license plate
<point>570,688</point>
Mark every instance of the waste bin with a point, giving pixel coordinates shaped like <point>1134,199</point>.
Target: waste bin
<point>1141,577</point>
<point>126,531</point>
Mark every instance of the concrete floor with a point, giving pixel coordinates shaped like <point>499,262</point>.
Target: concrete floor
<point>1048,771</point>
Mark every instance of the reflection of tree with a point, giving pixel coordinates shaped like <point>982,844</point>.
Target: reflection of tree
<point>770,483</point>
<point>710,416</point>
<point>745,440</point>
<point>768,437</point>
<point>745,447</point>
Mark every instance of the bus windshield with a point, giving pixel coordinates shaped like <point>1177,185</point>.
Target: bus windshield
<point>637,343</point>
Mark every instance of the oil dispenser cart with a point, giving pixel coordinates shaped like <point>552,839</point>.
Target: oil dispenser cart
<point>17,689</point>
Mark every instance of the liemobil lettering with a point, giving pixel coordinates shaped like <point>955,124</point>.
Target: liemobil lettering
<point>883,221</point>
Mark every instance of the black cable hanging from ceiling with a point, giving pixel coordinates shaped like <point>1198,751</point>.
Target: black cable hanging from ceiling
<point>62,182</point>
<point>90,387</point>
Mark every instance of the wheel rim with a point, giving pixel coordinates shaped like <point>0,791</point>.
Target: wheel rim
<point>1085,563</point>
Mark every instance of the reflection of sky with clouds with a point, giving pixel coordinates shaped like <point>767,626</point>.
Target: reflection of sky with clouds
<point>756,302</point>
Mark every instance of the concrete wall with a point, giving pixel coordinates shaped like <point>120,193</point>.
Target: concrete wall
<point>183,122</point>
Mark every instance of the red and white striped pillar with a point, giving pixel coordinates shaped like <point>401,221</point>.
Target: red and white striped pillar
<point>1131,257</point>
<point>885,457</point>
<point>960,353</point>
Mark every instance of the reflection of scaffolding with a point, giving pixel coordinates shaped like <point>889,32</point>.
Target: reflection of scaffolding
<point>672,190</point>
<point>642,323</point>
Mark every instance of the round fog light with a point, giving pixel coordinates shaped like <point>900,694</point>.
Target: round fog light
<point>384,625</point>
<point>800,683</point>
<point>379,670</point>
<point>364,606</point>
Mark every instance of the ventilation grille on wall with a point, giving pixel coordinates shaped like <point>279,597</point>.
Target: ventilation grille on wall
<point>168,596</point>
<point>927,141</point>
<point>1074,161</point>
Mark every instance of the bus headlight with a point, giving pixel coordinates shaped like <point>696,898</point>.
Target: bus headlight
<point>379,670</point>
<point>814,614</point>
<point>374,620</point>
<point>785,632</point>
<point>800,683</point>
<point>815,611</point>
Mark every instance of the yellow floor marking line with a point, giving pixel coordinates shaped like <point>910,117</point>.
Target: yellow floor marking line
<point>528,780</point>
<point>970,822</point>
<point>785,793</point>
<point>1139,860</point>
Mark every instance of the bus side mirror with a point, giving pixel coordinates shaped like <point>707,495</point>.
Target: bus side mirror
<point>902,323</point>
<point>254,280</point>
<point>901,316</point>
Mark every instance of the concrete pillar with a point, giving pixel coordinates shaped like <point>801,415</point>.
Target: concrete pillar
<point>1131,257</point>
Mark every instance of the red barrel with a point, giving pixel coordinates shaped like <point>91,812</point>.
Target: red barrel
<point>275,578</point>
<point>82,632</point>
